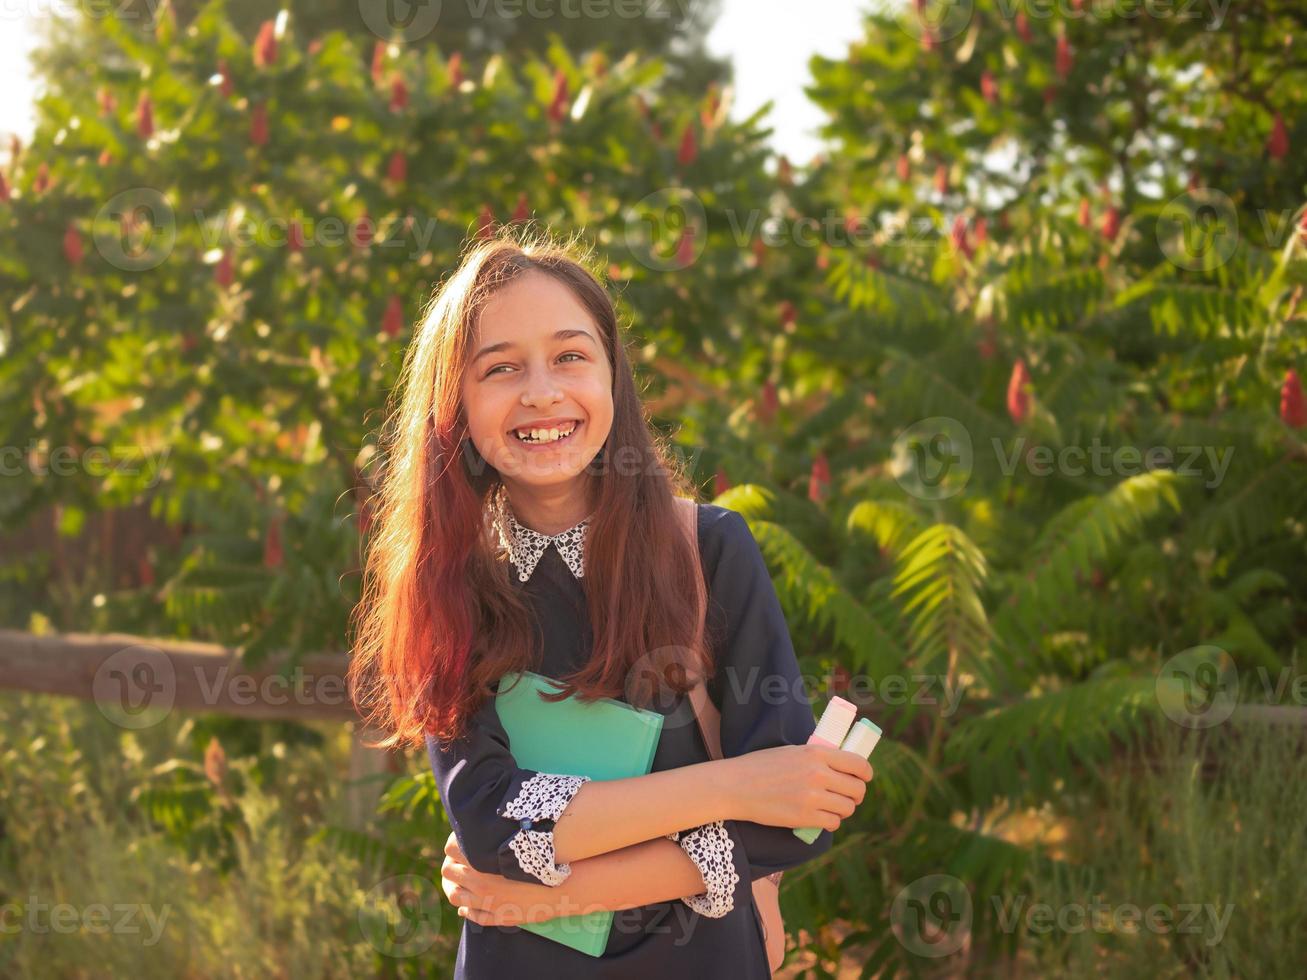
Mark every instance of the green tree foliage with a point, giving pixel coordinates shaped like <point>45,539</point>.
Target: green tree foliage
<point>1006,453</point>
<point>517,29</point>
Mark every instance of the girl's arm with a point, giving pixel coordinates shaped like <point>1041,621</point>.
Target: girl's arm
<point>505,816</point>
<point>651,871</point>
<point>641,874</point>
<point>608,815</point>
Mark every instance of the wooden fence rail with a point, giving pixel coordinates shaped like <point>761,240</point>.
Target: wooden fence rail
<point>128,676</point>
<point>137,681</point>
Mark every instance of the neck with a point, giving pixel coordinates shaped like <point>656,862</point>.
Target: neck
<point>550,510</point>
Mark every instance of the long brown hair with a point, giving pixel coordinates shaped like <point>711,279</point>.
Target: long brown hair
<point>439,620</point>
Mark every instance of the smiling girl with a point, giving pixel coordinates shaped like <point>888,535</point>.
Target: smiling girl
<point>527,520</point>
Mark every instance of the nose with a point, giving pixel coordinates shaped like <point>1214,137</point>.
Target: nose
<point>541,393</point>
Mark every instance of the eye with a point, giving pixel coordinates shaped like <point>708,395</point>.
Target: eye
<point>570,353</point>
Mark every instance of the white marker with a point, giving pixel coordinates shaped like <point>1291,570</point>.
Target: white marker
<point>834,725</point>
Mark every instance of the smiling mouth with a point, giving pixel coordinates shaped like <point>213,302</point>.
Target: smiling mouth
<point>546,437</point>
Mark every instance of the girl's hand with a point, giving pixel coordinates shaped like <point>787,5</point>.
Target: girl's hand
<point>490,899</point>
<point>798,785</point>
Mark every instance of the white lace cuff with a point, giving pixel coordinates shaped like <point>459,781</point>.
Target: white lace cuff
<point>711,849</point>
<point>542,797</point>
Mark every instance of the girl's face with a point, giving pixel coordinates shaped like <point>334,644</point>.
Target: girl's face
<point>538,369</point>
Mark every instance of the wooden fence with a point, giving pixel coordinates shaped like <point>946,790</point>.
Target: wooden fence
<point>135,679</point>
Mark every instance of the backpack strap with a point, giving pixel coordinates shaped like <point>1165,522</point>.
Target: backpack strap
<point>706,715</point>
<point>766,890</point>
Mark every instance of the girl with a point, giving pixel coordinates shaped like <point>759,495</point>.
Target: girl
<point>526,521</point>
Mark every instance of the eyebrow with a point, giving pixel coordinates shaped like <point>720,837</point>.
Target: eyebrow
<point>506,344</point>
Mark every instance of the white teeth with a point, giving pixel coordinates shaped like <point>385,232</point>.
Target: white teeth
<point>544,435</point>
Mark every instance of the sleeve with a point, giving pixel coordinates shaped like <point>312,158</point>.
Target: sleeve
<point>502,815</point>
<point>763,704</point>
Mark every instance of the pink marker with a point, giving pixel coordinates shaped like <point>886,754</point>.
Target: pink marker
<point>835,723</point>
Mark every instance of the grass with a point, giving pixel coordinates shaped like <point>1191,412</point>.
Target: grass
<point>180,883</point>
<point>167,867</point>
<point>1208,830</point>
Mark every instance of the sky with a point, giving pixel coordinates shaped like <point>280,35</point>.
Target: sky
<point>769,42</point>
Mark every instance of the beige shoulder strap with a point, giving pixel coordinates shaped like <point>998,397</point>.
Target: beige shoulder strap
<point>706,714</point>
<point>766,890</point>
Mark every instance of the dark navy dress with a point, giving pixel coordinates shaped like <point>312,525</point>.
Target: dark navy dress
<point>716,934</point>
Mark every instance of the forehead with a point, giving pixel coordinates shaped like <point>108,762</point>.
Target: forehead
<point>533,305</point>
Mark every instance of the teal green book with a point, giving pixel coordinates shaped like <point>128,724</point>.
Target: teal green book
<point>605,739</point>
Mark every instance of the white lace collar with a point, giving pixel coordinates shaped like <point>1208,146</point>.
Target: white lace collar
<point>526,546</point>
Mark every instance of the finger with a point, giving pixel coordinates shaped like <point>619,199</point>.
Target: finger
<point>827,820</point>
<point>464,897</point>
<point>839,805</point>
<point>850,762</point>
<point>451,870</point>
<point>475,915</point>
<point>452,848</point>
<point>851,786</point>
<point>485,917</point>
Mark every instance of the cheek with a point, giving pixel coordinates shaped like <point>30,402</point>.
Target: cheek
<point>596,395</point>
<point>484,408</point>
